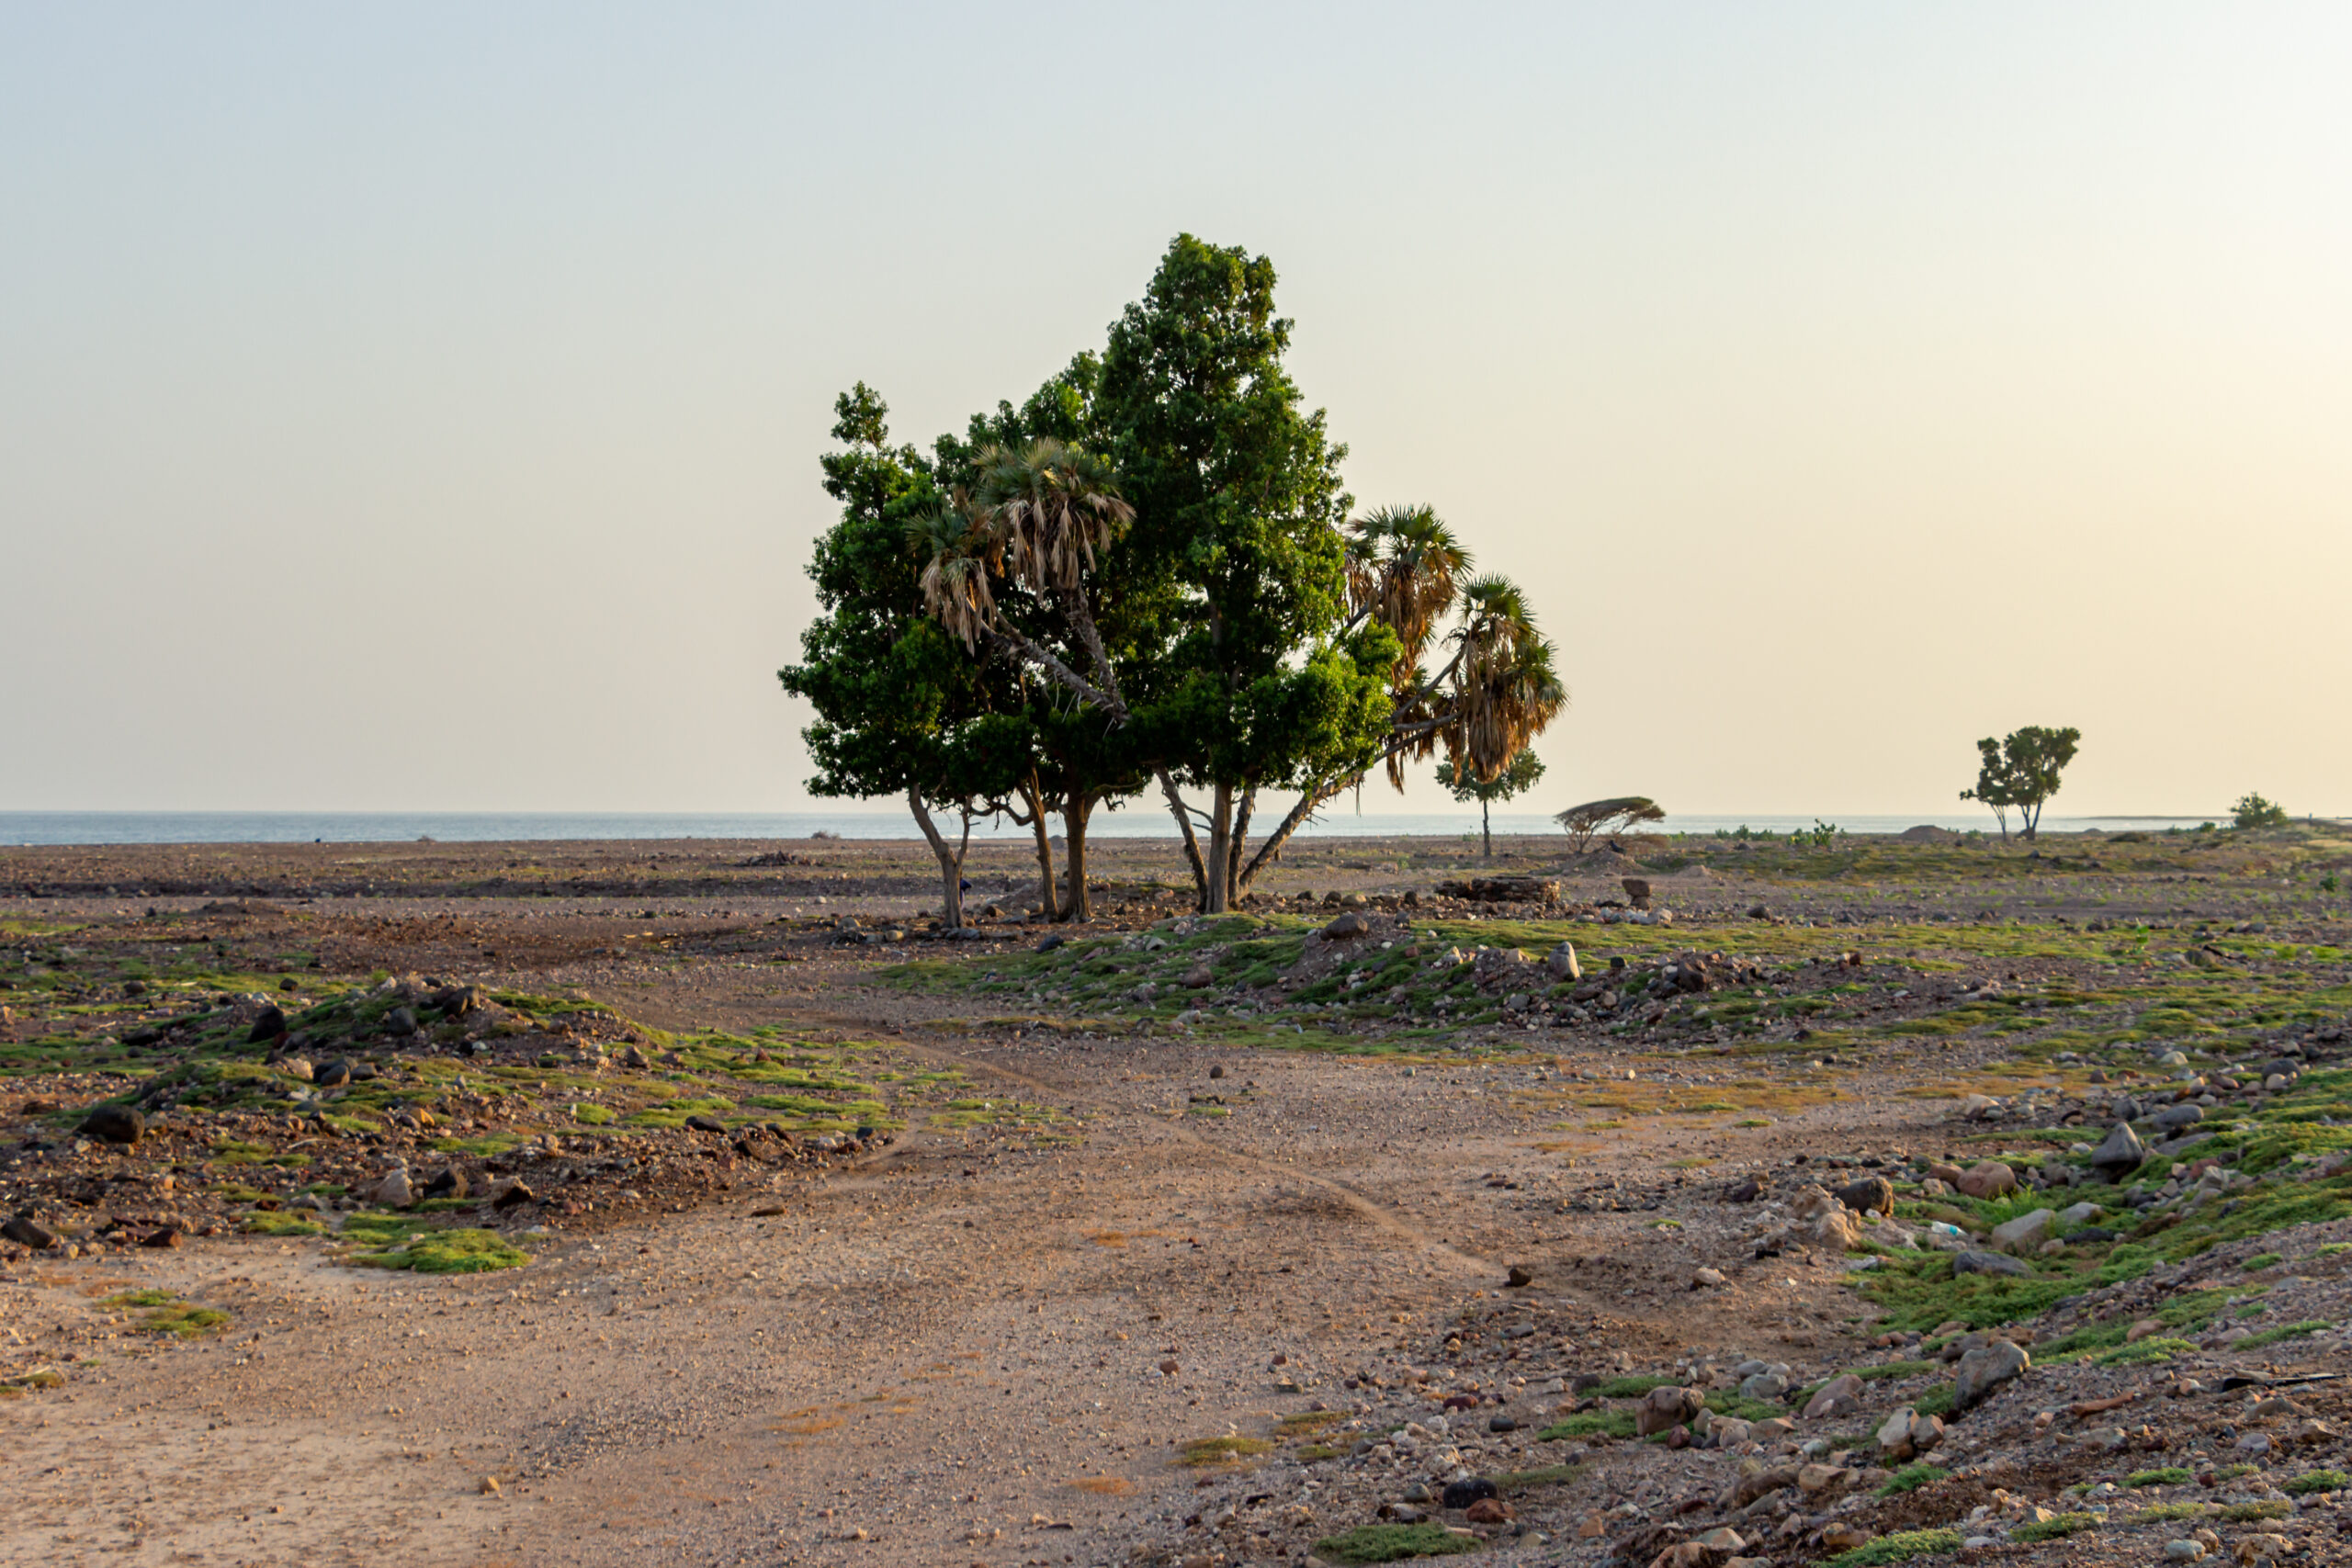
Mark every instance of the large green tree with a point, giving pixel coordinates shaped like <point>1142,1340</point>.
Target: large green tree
<point>2019,772</point>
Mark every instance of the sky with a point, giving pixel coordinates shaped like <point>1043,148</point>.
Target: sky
<point>417,407</point>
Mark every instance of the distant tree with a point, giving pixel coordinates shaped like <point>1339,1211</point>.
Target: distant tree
<point>1466,785</point>
<point>2020,772</point>
<point>2256,812</point>
<point>1613,816</point>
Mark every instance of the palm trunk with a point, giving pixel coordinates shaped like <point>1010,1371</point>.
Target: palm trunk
<point>951,861</point>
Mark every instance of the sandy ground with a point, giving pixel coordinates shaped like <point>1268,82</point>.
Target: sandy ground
<point>948,1353</point>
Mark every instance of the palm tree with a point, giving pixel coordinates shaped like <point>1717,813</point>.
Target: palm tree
<point>1055,505</point>
<point>1404,571</point>
<point>1505,688</point>
<point>960,548</point>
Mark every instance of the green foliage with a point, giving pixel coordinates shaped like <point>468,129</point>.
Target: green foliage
<point>2171,1475</point>
<point>160,1312</point>
<point>2260,1261</point>
<point>397,1241</point>
<point>2021,771</point>
<point>2154,1351</point>
<point>2253,811</point>
<point>1911,1477</point>
<point>2056,1528</point>
<point>1520,776</point>
<point>1590,1423</point>
<point>1394,1543</point>
<point>2313,1480</point>
<point>2283,1332</point>
<point>1902,1546</point>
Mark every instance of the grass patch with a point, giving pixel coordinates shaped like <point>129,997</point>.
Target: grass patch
<point>160,1312</point>
<point>395,1241</point>
<point>2154,1351</point>
<point>1632,1388</point>
<point>1396,1543</point>
<point>1306,1421</point>
<point>279,1224</point>
<point>1590,1423</point>
<point>2284,1331</point>
<point>2058,1527</point>
<point>1900,1546</point>
<point>2313,1481</point>
<point>2170,1475</point>
<point>1221,1450</point>
<point>2246,1513</point>
<point>1911,1477</point>
<point>2262,1261</point>
<point>1514,1483</point>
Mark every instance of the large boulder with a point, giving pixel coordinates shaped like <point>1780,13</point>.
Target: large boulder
<point>1841,1395</point>
<point>1984,1369</point>
<point>1987,1179</point>
<point>2119,1154</point>
<point>1663,1409</point>
<point>114,1124</point>
<point>1347,927</point>
<point>1561,961</point>
<point>2026,1233</point>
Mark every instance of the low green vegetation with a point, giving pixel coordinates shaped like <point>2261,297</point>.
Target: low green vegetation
<point>397,1241</point>
<point>1902,1546</point>
<point>2058,1527</point>
<point>2170,1475</point>
<point>1394,1543</point>
<point>1911,1477</point>
<point>2313,1480</point>
<point>160,1312</point>
<point>1221,1450</point>
<point>1590,1423</point>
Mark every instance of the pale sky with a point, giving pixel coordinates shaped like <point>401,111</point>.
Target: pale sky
<point>417,407</point>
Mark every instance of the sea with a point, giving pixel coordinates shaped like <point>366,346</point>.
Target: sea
<point>31,828</point>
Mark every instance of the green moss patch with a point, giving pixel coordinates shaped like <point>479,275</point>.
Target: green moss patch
<point>1394,1543</point>
<point>395,1241</point>
<point>1900,1546</point>
<point>160,1312</point>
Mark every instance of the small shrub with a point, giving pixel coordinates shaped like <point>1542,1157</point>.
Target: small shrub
<point>1590,1423</point>
<point>2246,1513</point>
<point>1394,1543</point>
<point>1937,1401</point>
<point>2284,1331</point>
<point>2154,1351</point>
<point>2313,1480</point>
<point>1221,1450</point>
<point>2260,1261</point>
<point>1630,1388</point>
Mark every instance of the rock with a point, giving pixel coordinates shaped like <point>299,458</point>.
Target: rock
<point>27,1232</point>
<point>1488,1511</point>
<point>1841,1395</point>
<point>167,1237</point>
<point>268,1024</point>
<point>1976,1262</point>
<point>2026,1233</point>
<point>1561,961</point>
<point>1461,1494</point>
<point>1870,1195</point>
<point>1347,927</point>
<point>2184,1550</point>
<point>1815,1480</point>
<point>705,1124</point>
<point>1637,890</point>
<point>1519,1276</point>
<point>1687,1554</point>
<point>393,1192</point>
<point>2119,1154</point>
<point>1906,1433</point>
<point>1948,1175</point>
<point>1216,1069</point>
<point>1707,1280</point>
<point>2079,1213</point>
<point>2175,1117</point>
<point>1976,1107</point>
<point>1664,1408</point>
<point>450,1183</point>
<point>1765,1386</point>
<point>1986,1369</point>
<point>1170,1368</point>
<point>2145,1328</point>
<point>401,1021</point>
<point>331,1074</point>
<point>514,1194</point>
<point>1197,977</point>
<point>1987,1179</point>
<point>1746,1190</point>
<point>114,1124</point>
<point>1761,1482</point>
<point>1501,1424</point>
<point>296,1067</point>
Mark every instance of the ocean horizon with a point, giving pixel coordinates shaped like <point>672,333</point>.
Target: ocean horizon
<point>31,828</point>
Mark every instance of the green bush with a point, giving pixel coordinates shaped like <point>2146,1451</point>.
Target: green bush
<point>1394,1543</point>
<point>2317,1480</point>
<point>1911,1477</point>
<point>1900,1546</point>
<point>2056,1528</point>
<point>2171,1475</point>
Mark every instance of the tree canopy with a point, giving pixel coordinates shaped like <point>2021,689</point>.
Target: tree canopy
<point>2020,772</point>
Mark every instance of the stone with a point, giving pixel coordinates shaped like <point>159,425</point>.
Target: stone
<point>1976,1107</point>
<point>1637,890</point>
<point>1461,1494</point>
<point>1841,1395</point>
<point>1347,927</point>
<point>2147,1328</point>
<point>393,1192</point>
<point>1501,1424</point>
<point>330,1074</point>
<point>2026,1233</point>
<point>1745,1191</point>
<point>1948,1175</point>
<point>1763,1386</point>
<point>1844,1535</point>
<point>296,1067</point>
<point>1664,1408</point>
<point>1984,1370</point>
<point>1519,1277</point>
<point>2184,1550</point>
<point>1987,1179</point>
<point>1488,1511</point>
<point>401,1021</point>
<point>1197,977</point>
<point>25,1231</point>
<point>1906,1433</point>
<point>1687,1554</point>
<point>2175,1117</point>
<point>1561,961</point>
<point>701,1122</point>
<point>1870,1195</point>
<point>1707,1278</point>
<point>2119,1154</point>
<point>512,1194</point>
<point>450,1183</point>
<point>167,1237</point>
<point>1814,1479</point>
<point>1974,1261</point>
<point>2079,1213</point>
<point>114,1124</point>
<point>268,1024</point>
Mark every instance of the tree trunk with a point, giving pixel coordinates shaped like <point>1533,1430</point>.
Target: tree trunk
<point>1485,831</point>
<point>1231,870</point>
<point>1078,906</point>
<point>1220,850</point>
<point>1047,903</point>
<point>951,861</point>
<point>1192,843</point>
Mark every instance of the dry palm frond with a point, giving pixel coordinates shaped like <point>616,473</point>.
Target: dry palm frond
<point>959,550</point>
<point>1053,506</point>
<point>1506,690</point>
